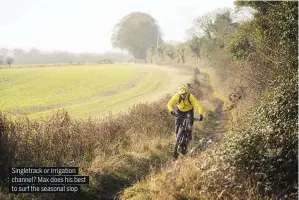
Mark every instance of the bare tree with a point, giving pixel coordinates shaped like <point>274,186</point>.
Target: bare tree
<point>9,61</point>
<point>202,25</point>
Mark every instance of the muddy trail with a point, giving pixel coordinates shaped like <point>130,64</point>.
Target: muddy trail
<point>214,121</point>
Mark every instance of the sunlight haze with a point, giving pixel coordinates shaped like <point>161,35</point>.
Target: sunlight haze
<point>86,25</point>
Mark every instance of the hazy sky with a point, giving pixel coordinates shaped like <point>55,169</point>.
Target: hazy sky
<point>86,25</point>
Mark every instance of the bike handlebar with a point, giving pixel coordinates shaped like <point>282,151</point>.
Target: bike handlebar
<point>184,117</point>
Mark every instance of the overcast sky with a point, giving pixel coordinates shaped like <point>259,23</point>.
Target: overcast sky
<point>86,25</point>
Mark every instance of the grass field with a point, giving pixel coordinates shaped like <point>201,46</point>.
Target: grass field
<point>84,91</point>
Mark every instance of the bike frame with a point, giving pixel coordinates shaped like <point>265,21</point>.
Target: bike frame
<point>182,141</point>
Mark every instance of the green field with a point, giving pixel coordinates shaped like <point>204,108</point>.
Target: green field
<point>83,91</point>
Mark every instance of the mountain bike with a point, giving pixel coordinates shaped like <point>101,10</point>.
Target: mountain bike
<point>182,135</point>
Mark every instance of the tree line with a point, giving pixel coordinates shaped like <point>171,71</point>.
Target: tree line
<point>36,56</point>
<point>139,34</point>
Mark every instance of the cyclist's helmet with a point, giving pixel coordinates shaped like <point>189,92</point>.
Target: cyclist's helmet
<point>183,89</point>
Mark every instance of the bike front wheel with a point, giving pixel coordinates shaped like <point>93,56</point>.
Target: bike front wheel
<point>184,145</point>
<point>178,142</point>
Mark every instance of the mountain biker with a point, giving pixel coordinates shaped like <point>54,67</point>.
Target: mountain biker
<point>185,103</point>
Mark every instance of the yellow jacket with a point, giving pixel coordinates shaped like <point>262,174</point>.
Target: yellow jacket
<point>184,106</point>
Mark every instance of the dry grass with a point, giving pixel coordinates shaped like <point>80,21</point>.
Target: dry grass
<point>205,175</point>
<point>117,148</point>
